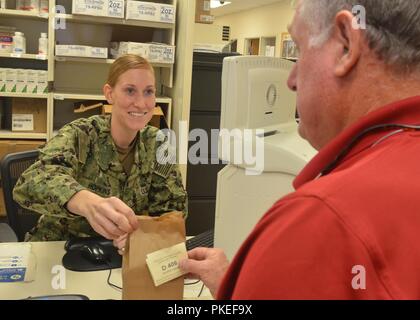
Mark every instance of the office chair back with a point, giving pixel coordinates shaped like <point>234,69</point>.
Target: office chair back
<point>12,166</point>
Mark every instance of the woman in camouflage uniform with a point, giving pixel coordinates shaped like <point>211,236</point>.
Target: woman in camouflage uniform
<point>98,173</point>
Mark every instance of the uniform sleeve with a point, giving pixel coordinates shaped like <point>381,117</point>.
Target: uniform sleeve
<point>167,192</point>
<point>49,183</point>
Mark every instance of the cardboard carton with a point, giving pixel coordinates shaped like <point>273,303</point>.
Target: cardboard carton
<point>29,115</point>
<point>203,12</point>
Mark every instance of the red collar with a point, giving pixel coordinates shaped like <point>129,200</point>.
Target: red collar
<point>402,112</point>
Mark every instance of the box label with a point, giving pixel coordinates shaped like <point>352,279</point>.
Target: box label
<point>116,8</point>
<point>163,264</point>
<point>22,122</point>
<point>167,14</point>
<point>206,5</point>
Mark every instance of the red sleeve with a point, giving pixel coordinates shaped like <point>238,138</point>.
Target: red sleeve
<point>301,249</point>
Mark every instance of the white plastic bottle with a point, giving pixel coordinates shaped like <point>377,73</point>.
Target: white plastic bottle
<point>19,43</point>
<point>43,6</point>
<point>43,44</point>
<point>32,5</point>
<point>20,4</point>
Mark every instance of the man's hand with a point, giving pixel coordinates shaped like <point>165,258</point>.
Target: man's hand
<point>207,264</point>
<point>110,217</point>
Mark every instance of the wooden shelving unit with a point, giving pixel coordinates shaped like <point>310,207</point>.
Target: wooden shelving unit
<point>75,78</point>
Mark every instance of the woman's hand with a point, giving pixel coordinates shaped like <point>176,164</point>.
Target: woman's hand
<point>110,217</point>
<point>120,243</point>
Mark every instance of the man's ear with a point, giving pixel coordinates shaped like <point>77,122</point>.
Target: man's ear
<point>349,41</point>
<point>108,93</point>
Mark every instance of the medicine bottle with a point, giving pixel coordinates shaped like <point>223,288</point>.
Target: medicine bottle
<point>19,43</point>
<point>43,44</point>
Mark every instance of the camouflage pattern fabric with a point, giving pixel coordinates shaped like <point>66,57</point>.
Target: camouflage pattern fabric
<point>83,156</point>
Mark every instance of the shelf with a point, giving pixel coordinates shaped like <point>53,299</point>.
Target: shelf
<point>5,134</point>
<point>23,56</point>
<point>115,21</point>
<point>105,61</point>
<point>23,14</point>
<point>79,96</point>
<point>23,95</point>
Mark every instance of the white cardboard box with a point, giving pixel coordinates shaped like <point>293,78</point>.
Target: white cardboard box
<point>32,81</point>
<point>2,80</point>
<point>11,80</point>
<point>69,50</point>
<point>159,53</point>
<point>101,8</point>
<point>150,11</point>
<point>22,122</point>
<point>21,81</point>
<point>97,52</point>
<point>42,83</point>
<point>66,50</point>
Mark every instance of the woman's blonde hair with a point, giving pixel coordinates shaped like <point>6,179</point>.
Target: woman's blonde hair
<point>125,63</point>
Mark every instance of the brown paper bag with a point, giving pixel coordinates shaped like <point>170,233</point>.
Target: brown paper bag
<point>154,233</point>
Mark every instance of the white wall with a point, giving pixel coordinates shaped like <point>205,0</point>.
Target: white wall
<point>208,33</point>
<point>267,21</point>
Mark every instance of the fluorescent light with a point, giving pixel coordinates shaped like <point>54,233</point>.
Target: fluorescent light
<point>216,4</point>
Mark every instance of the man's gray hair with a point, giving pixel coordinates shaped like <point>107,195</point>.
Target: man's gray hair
<point>392,27</point>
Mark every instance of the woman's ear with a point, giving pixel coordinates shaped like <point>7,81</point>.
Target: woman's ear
<point>108,93</point>
<point>349,40</point>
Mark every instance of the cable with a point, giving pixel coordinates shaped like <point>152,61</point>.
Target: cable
<point>109,277</point>
<point>191,283</point>
<point>201,291</point>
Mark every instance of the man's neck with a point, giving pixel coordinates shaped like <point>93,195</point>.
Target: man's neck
<point>370,94</point>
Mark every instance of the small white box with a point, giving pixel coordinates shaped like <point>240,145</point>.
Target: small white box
<point>153,52</point>
<point>21,81</point>
<point>150,11</point>
<point>96,52</point>
<point>71,50</point>
<point>42,86</point>
<point>167,13</point>
<point>11,80</point>
<point>101,8</point>
<point>138,48</point>
<point>140,10</point>
<point>2,80</point>
<point>116,9</point>
<point>32,81</point>
<point>22,122</point>
<point>161,53</point>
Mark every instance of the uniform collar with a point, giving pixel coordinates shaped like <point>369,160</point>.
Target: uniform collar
<point>108,159</point>
<point>402,112</point>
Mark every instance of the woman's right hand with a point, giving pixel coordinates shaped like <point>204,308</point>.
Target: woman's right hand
<point>110,217</point>
<point>120,243</point>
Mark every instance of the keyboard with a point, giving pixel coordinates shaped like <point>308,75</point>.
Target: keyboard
<point>205,239</point>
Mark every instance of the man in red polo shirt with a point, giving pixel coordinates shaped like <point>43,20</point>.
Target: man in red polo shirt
<point>351,228</point>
